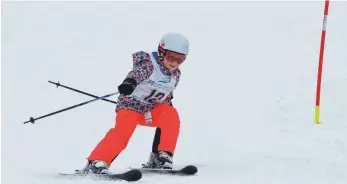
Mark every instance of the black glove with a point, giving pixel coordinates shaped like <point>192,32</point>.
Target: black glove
<point>128,86</point>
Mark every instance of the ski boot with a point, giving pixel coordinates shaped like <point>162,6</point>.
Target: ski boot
<point>163,161</point>
<point>150,163</point>
<point>94,167</point>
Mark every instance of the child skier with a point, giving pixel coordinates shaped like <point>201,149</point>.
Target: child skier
<point>145,99</point>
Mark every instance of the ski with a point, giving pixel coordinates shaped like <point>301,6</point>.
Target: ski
<point>187,170</point>
<point>132,175</point>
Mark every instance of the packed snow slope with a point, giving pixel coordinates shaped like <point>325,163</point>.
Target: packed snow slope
<point>246,96</point>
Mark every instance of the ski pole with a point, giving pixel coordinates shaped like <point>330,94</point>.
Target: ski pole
<point>32,120</point>
<point>79,91</point>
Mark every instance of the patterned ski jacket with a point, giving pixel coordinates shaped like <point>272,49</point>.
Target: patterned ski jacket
<point>142,69</point>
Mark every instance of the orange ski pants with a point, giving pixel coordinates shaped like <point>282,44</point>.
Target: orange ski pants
<point>116,139</point>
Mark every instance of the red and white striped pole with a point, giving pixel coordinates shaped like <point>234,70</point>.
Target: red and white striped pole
<point>320,66</point>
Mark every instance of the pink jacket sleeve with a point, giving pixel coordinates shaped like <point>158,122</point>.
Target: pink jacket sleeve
<point>142,66</point>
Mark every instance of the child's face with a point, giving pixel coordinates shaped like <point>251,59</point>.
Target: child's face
<point>171,65</point>
<point>173,60</point>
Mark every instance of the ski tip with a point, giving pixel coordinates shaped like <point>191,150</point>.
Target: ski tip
<point>133,175</point>
<point>190,169</point>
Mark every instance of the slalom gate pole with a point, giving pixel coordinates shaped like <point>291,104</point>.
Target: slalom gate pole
<point>320,65</point>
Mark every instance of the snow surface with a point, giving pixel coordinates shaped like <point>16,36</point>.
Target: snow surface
<point>246,96</point>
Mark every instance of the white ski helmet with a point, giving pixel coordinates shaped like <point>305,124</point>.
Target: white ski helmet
<point>175,42</point>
